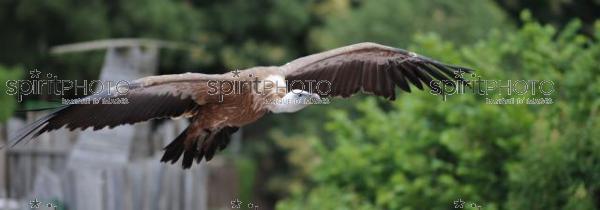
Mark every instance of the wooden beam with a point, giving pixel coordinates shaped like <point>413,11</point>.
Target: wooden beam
<point>114,43</point>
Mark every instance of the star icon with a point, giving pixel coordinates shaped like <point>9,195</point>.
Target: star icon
<point>236,204</point>
<point>34,204</point>
<point>236,73</point>
<point>35,74</point>
<point>459,204</point>
<point>459,74</point>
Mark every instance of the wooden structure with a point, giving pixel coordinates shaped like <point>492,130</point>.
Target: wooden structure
<point>101,170</point>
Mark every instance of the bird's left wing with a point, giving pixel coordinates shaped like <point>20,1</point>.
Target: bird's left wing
<point>140,100</point>
<point>369,67</point>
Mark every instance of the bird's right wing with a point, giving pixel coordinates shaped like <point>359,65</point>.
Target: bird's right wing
<point>371,68</point>
<point>141,100</point>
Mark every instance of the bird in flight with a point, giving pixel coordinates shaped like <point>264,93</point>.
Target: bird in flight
<point>219,104</point>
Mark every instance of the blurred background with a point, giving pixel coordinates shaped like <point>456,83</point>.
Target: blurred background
<point>417,152</point>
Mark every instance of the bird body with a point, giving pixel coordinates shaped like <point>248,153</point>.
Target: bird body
<point>218,105</point>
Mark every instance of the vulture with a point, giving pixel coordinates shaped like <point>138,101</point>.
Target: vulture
<point>219,104</point>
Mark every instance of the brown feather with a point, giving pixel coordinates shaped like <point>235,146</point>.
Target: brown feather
<point>371,67</point>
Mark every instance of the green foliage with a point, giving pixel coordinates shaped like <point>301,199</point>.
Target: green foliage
<point>8,101</point>
<point>556,12</point>
<point>424,153</point>
<point>416,153</point>
<point>395,22</point>
<point>327,24</point>
<point>36,26</point>
<point>246,171</point>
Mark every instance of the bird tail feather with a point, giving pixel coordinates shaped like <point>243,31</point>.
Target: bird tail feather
<point>203,146</point>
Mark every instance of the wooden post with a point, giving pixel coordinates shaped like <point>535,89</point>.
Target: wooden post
<point>3,163</point>
<point>97,153</point>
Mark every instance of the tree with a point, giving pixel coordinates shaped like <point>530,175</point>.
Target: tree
<point>424,153</point>
<point>36,26</point>
<point>395,22</point>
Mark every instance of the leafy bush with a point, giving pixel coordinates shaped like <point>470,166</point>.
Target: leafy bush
<point>394,22</point>
<point>425,153</point>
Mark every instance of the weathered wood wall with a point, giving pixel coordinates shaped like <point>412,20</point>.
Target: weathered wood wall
<point>39,170</point>
<point>113,168</point>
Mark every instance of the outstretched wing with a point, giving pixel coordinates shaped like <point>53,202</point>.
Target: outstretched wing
<point>370,67</point>
<point>140,100</point>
